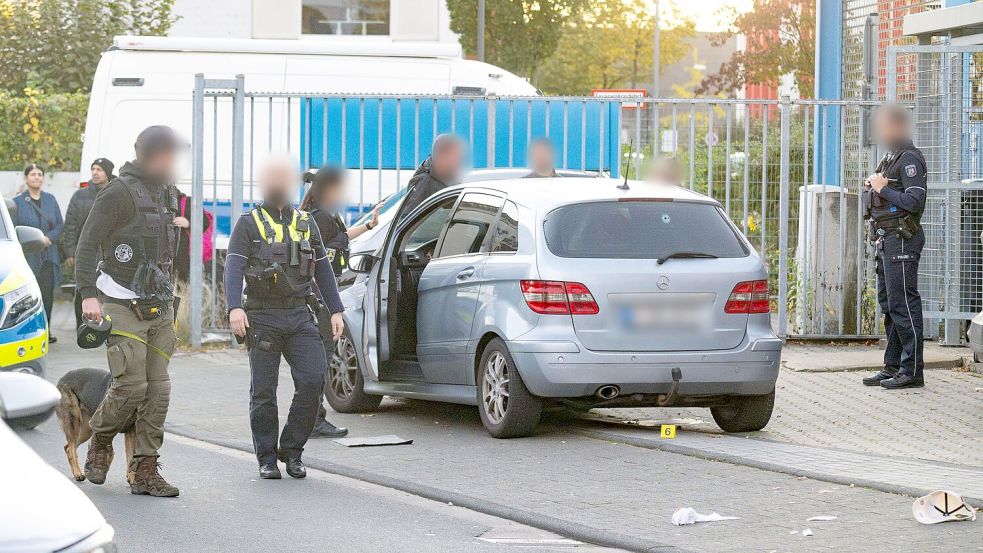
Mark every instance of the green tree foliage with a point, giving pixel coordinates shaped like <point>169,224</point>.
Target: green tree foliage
<point>55,45</point>
<point>519,34</point>
<point>41,128</point>
<point>610,46</point>
<point>781,40</point>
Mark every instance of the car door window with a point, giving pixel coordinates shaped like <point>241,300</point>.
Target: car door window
<point>469,225</point>
<point>506,236</point>
<point>427,227</point>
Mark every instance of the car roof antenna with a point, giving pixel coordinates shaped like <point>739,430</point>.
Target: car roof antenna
<point>631,152</point>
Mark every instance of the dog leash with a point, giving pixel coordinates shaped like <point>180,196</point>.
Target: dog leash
<point>132,336</point>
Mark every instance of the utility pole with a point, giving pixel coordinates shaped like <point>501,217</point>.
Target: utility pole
<point>656,48</point>
<point>481,30</point>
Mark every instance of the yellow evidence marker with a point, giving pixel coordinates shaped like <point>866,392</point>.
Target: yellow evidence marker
<point>668,431</point>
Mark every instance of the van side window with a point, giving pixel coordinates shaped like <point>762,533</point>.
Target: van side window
<point>469,225</point>
<point>506,236</point>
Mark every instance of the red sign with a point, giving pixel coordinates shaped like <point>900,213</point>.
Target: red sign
<point>628,93</point>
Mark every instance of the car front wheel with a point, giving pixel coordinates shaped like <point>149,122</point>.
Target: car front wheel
<point>508,409</point>
<point>745,413</point>
<point>344,385</point>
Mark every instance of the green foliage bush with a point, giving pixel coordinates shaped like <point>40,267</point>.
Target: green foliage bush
<point>36,127</point>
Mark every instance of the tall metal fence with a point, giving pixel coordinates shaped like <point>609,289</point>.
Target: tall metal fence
<point>942,83</point>
<point>762,159</point>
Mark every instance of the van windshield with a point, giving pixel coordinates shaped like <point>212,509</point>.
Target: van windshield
<point>641,230</point>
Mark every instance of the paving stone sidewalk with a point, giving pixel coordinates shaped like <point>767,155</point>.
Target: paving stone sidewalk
<point>862,356</point>
<point>611,488</point>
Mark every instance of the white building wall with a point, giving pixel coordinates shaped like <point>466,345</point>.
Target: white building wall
<point>423,20</point>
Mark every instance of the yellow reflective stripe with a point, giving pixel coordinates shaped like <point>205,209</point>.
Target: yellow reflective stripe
<point>132,336</point>
<point>259,214</point>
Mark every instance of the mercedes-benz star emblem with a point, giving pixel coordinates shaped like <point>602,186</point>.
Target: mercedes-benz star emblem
<point>662,282</point>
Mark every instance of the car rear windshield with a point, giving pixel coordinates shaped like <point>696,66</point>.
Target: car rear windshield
<point>641,230</point>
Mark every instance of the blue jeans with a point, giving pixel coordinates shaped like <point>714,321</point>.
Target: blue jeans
<point>292,333</point>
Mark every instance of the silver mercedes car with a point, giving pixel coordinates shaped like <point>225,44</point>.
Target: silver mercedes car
<point>513,294</point>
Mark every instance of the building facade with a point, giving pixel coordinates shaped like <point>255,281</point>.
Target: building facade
<point>397,20</point>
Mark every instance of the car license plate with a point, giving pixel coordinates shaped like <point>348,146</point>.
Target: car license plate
<point>676,312</point>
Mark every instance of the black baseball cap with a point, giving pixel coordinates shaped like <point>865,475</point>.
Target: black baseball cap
<point>331,175</point>
<point>156,139</point>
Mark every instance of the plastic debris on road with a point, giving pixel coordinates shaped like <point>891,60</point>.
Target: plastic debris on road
<point>373,441</point>
<point>688,515</point>
<point>823,518</point>
<point>807,532</point>
<point>941,506</point>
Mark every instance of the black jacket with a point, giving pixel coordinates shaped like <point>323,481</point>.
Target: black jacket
<point>78,211</point>
<point>421,186</point>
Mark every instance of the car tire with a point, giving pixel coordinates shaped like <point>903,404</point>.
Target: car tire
<point>745,413</point>
<point>507,408</point>
<point>344,386</point>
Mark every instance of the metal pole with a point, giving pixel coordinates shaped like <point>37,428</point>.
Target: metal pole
<point>783,214</point>
<point>656,69</point>
<point>481,30</point>
<point>197,191</point>
<point>238,145</point>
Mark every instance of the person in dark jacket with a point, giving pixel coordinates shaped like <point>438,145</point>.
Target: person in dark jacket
<point>78,211</point>
<point>324,201</point>
<point>39,209</point>
<point>440,170</point>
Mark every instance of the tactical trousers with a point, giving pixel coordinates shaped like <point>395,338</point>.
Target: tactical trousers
<point>900,302</point>
<point>294,334</point>
<point>324,324</point>
<point>141,388</point>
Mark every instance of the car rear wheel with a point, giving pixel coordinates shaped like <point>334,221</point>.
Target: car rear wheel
<point>507,408</point>
<point>745,413</point>
<point>344,385</point>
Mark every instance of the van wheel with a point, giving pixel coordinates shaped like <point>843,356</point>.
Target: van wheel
<point>507,408</point>
<point>344,385</point>
<point>745,413</point>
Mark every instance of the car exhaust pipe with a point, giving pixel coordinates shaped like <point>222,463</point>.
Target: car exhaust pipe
<point>665,400</point>
<point>608,392</point>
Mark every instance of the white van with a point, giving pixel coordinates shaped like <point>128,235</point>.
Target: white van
<point>142,81</point>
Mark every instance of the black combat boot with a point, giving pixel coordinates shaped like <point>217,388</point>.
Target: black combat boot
<point>295,467</point>
<point>98,459</point>
<point>887,372</point>
<point>269,471</point>
<point>324,429</point>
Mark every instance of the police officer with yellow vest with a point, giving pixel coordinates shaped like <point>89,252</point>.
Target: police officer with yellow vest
<point>894,199</point>
<point>278,250</point>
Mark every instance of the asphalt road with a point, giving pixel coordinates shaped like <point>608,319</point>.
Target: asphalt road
<point>224,506</point>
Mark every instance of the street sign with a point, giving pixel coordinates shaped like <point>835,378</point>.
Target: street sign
<point>628,93</point>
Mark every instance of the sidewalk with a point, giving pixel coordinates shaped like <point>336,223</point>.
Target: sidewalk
<point>859,356</point>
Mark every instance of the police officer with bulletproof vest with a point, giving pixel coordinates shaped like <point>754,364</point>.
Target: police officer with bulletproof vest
<point>131,224</point>
<point>324,201</point>
<point>278,250</point>
<point>894,198</point>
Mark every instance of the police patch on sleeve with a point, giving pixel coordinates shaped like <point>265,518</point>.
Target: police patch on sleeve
<point>123,253</point>
<point>910,170</point>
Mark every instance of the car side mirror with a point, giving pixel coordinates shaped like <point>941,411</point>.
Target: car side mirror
<point>26,400</point>
<point>361,263</point>
<point>30,238</point>
<point>11,207</point>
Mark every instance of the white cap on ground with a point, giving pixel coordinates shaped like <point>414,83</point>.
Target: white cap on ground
<point>941,506</point>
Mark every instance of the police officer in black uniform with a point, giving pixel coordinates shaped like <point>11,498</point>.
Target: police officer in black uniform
<point>324,201</point>
<point>894,198</point>
<point>278,250</point>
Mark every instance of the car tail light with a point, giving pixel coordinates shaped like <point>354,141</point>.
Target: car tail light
<point>749,297</point>
<point>551,297</point>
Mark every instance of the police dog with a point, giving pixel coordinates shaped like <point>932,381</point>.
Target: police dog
<point>82,391</point>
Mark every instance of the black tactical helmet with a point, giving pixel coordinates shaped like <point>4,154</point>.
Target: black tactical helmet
<point>92,334</point>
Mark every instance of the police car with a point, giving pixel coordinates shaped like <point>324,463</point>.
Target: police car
<point>23,326</point>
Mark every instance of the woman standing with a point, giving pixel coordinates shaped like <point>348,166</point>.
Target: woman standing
<point>39,209</point>
<point>323,201</point>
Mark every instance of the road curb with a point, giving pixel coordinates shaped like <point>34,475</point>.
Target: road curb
<point>581,532</point>
<point>944,364</point>
<point>667,446</point>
